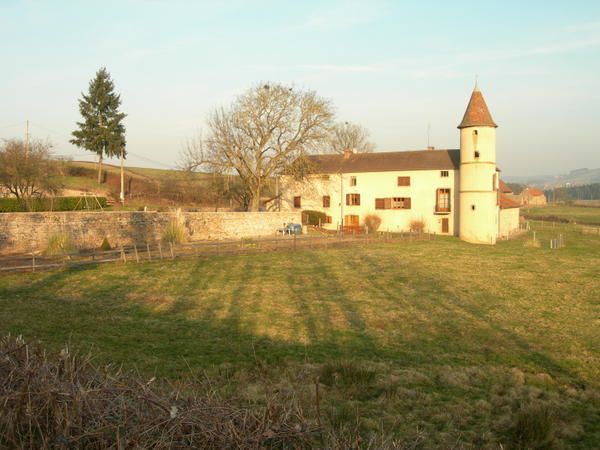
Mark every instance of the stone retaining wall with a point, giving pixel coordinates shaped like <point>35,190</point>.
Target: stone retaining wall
<point>26,232</point>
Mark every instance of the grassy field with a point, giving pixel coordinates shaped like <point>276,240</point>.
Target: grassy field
<point>579,214</point>
<point>432,344</point>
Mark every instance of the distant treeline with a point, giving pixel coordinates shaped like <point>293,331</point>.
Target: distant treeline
<point>564,194</point>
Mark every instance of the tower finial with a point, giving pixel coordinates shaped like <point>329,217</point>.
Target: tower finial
<point>476,88</point>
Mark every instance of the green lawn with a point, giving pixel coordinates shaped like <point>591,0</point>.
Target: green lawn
<point>579,214</point>
<point>438,341</point>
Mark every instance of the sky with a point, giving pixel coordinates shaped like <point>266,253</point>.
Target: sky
<point>398,68</point>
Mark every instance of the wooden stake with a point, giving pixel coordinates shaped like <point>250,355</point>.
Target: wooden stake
<point>172,253</point>
<point>148,250</point>
<point>160,250</point>
<point>137,257</point>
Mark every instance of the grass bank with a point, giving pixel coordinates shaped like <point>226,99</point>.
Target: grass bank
<point>433,342</point>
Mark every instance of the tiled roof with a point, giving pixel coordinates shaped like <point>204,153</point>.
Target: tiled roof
<point>477,113</point>
<point>386,161</point>
<point>533,192</point>
<point>504,188</point>
<point>506,202</point>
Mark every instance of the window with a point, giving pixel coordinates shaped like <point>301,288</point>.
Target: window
<point>443,200</point>
<point>326,201</point>
<point>353,199</point>
<point>475,133</point>
<point>401,203</point>
<point>473,207</point>
<point>298,202</point>
<point>352,181</point>
<point>444,173</point>
<point>327,219</point>
<point>392,203</point>
<point>403,181</point>
<point>476,154</point>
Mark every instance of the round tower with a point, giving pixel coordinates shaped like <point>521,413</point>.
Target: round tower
<point>478,198</point>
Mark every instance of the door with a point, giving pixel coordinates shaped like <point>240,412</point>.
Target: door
<point>351,221</point>
<point>445,227</point>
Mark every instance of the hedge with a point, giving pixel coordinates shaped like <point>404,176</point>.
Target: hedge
<point>52,204</point>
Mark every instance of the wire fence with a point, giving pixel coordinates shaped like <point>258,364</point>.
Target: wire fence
<point>36,261</point>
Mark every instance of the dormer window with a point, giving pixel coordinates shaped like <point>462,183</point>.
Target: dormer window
<point>352,181</point>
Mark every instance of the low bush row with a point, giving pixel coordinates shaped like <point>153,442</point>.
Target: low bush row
<point>52,204</point>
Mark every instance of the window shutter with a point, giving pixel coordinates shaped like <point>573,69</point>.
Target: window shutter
<point>407,203</point>
<point>379,203</point>
<point>387,203</point>
<point>348,199</point>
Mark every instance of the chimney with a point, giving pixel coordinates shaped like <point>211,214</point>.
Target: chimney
<point>430,147</point>
<point>347,153</point>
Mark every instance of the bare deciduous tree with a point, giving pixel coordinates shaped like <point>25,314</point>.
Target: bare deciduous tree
<point>26,169</point>
<point>264,131</point>
<point>350,136</point>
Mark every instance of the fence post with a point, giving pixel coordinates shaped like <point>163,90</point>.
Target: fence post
<point>160,250</point>
<point>172,252</point>
<point>137,257</point>
<point>32,261</point>
<point>123,255</point>
<point>148,250</point>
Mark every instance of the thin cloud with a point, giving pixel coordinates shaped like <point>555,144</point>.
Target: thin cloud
<point>584,26</point>
<point>344,15</point>
<point>336,68</point>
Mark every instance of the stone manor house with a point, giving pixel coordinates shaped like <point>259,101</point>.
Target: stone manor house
<point>454,192</point>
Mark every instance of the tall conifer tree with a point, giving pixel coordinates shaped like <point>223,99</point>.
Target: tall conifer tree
<point>102,130</point>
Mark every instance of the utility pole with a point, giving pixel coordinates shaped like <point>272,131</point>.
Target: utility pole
<point>27,139</point>
<point>122,194</point>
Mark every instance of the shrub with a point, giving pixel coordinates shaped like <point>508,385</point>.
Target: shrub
<point>59,244</point>
<point>315,218</point>
<point>417,225</point>
<point>174,232</point>
<point>105,246</point>
<point>372,221</point>
<point>534,427</point>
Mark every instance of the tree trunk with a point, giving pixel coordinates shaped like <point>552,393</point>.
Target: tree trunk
<point>100,169</point>
<point>255,201</point>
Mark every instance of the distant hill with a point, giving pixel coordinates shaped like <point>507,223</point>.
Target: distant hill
<point>578,177</point>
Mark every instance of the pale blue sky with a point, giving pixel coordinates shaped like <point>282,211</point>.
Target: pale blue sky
<point>392,66</point>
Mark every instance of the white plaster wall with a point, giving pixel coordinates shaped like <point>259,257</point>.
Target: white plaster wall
<point>509,221</point>
<point>478,197</point>
<point>372,185</point>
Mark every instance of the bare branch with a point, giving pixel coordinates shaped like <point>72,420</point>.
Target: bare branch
<point>350,136</point>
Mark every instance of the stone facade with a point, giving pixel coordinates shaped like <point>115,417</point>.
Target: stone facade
<point>26,232</point>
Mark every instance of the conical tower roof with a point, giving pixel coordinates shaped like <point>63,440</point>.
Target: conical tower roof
<point>477,113</point>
